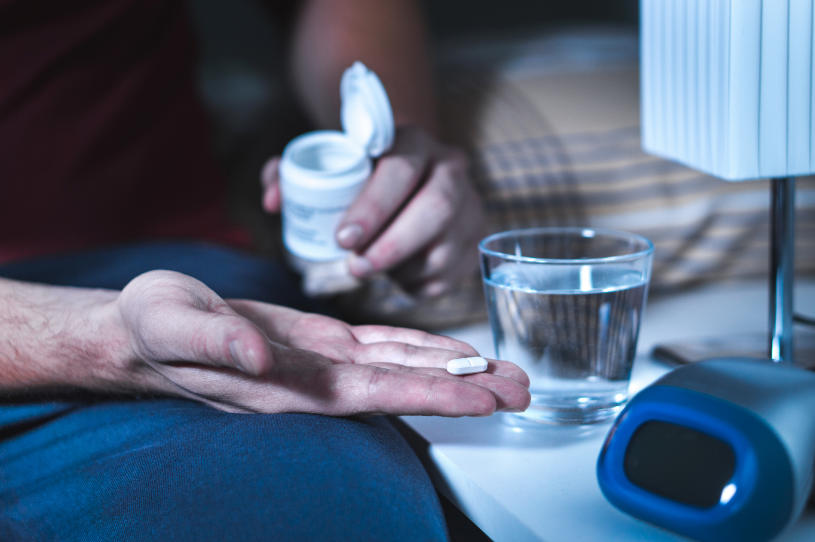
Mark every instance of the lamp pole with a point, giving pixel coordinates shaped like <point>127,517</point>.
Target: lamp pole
<point>782,262</point>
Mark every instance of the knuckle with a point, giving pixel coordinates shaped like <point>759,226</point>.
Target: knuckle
<point>443,205</point>
<point>410,351</point>
<point>386,253</point>
<point>368,212</point>
<point>200,346</point>
<point>356,351</point>
<point>156,284</point>
<point>376,380</point>
<point>400,166</point>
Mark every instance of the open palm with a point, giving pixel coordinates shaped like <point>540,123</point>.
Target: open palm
<point>247,356</point>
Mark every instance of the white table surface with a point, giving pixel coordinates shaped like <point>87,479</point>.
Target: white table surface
<point>540,484</point>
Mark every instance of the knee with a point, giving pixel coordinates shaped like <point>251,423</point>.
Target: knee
<point>296,477</point>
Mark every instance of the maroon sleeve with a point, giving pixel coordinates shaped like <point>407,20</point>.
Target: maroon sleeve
<point>102,138</point>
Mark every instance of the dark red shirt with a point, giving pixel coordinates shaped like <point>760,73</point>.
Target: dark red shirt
<point>102,137</point>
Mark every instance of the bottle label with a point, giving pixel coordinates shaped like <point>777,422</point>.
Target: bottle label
<point>309,231</point>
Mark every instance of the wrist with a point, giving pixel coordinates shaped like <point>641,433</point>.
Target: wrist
<point>58,339</point>
<point>105,360</point>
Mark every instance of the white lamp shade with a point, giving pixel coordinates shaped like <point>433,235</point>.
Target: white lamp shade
<point>727,85</point>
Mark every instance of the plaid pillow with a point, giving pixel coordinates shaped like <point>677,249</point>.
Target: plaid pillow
<point>552,127</point>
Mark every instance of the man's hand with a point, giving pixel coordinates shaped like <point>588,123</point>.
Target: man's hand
<point>180,338</point>
<point>418,217</point>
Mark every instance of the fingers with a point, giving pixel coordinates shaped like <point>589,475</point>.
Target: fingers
<point>453,255</point>
<point>425,217</point>
<point>306,382</point>
<point>510,394</point>
<point>270,182</point>
<point>440,268</point>
<point>433,261</point>
<point>298,329</point>
<point>368,344</point>
<point>445,281</point>
<point>395,178</point>
<point>508,370</point>
<point>385,390</point>
<point>304,330</point>
<point>407,391</point>
<point>395,389</point>
<point>430,358</point>
<point>404,354</point>
<point>414,348</point>
<point>374,334</point>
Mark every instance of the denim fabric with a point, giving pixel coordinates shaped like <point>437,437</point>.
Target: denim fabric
<point>168,469</point>
<point>231,273</point>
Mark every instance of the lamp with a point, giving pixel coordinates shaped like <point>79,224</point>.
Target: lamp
<point>727,88</point>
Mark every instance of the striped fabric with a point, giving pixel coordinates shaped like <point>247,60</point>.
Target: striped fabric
<point>552,126</point>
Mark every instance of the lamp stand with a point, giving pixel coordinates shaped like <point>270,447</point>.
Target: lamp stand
<point>782,348</point>
<point>782,264</point>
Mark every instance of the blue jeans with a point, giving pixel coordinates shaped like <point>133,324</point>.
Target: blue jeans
<point>95,469</point>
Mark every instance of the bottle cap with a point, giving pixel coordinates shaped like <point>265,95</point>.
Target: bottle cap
<point>366,112</point>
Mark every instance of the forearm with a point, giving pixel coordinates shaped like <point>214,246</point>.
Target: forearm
<point>56,338</point>
<point>388,36</point>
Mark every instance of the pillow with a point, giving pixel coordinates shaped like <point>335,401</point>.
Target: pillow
<point>551,124</point>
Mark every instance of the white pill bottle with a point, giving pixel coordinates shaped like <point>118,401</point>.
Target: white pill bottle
<point>322,172</point>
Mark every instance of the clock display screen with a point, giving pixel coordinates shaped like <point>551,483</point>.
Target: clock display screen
<point>680,463</point>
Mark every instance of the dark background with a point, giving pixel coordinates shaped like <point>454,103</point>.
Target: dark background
<point>241,27</point>
<point>448,18</point>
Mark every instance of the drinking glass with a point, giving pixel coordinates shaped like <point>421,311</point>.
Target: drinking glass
<point>566,305</point>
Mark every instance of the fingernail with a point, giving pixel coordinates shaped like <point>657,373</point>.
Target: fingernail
<point>240,357</point>
<point>360,266</point>
<point>433,289</point>
<point>349,235</point>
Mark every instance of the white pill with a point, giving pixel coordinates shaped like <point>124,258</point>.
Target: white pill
<point>466,366</point>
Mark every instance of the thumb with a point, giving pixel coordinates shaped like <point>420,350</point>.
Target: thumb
<point>219,338</point>
<point>171,317</point>
<point>270,181</point>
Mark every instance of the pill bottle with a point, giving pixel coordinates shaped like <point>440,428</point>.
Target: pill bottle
<point>322,172</point>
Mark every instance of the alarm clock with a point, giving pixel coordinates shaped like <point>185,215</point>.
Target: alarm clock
<point>719,450</point>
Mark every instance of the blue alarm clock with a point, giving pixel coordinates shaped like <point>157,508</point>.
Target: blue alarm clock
<point>718,450</point>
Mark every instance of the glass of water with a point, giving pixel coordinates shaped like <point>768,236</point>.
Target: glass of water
<point>566,304</point>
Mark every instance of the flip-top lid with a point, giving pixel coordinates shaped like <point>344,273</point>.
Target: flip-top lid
<point>365,112</point>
